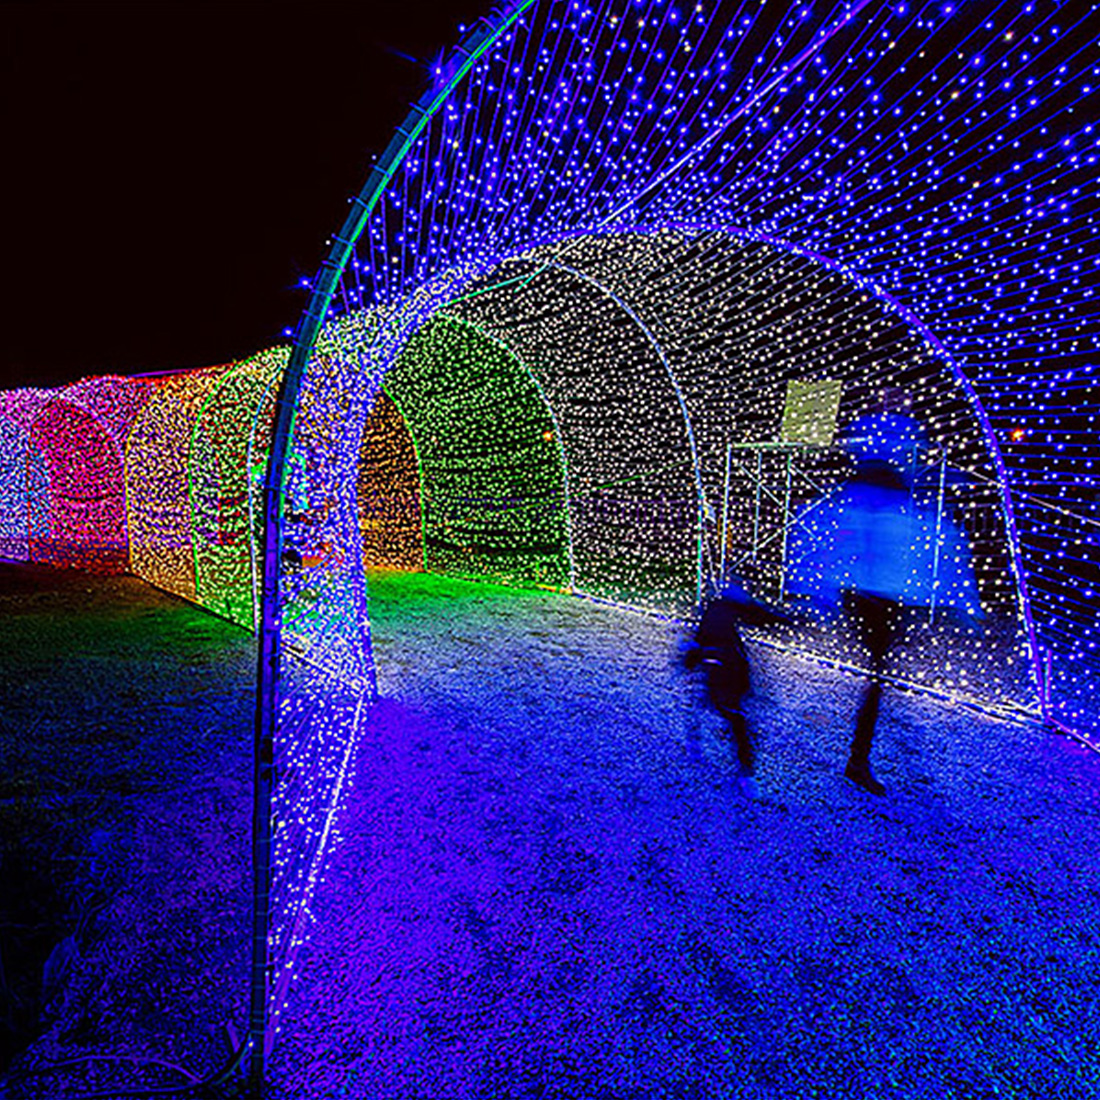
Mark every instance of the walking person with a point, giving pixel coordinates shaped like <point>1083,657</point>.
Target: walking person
<point>877,536</point>
<point>872,549</point>
<point>720,651</point>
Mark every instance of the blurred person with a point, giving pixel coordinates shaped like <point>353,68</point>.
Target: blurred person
<point>870,549</point>
<point>719,650</point>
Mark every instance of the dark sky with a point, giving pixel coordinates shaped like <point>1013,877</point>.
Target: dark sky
<point>171,170</point>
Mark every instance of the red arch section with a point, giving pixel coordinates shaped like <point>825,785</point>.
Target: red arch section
<point>81,520</point>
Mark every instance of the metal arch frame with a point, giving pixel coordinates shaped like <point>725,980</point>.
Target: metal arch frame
<point>269,649</point>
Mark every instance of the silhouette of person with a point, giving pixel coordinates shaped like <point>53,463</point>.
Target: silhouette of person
<point>872,549</point>
<point>878,532</point>
<point>720,651</point>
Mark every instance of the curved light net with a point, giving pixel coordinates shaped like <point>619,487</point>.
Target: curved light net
<point>226,459</point>
<point>632,273</point>
<point>158,493</point>
<point>668,216</point>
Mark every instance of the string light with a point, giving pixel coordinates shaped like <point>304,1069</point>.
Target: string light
<point>158,502</point>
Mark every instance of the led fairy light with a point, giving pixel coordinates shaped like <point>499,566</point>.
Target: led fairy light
<point>23,479</point>
<point>389,489</point>
<point>221,470</point>
<point>158,505</point>
<point>84,524</point>
<point>901,158</point>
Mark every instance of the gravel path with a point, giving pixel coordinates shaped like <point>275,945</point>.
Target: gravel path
<point>547,886</point>
<point>542,894</point>
<point>125,736</point>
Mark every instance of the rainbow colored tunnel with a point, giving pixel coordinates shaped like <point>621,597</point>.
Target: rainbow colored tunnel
<point>605,320</point>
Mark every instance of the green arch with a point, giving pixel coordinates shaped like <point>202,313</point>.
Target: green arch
<point>224,535</point>
<point>494,499</point>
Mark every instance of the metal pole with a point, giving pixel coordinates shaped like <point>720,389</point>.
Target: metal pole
<point>267,699</point>
<point>700,524</point>
<point>936,545</point>
<point>725,515</point>
<point>1044,688</point>
<point>267,688</point>
<point>756,506</point>
<point>786,516</point>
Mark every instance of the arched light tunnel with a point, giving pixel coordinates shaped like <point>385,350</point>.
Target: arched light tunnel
<point>604,417</point>
<point>598,324</point>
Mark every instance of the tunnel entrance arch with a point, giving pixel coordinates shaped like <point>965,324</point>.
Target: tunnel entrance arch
<point>728,379</point>
<point>390,522</point>
<point>493,496</point>
<point>63,501</point>
<point>735,319</point>
<point>82,521</point>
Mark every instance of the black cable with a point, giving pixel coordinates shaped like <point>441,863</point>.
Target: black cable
<point>213,1081</point>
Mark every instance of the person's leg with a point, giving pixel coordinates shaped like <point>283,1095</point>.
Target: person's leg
<point>729,684</point>
<point>741,738</point>
<point>737,731</point>
<point>858,768</point>
<point>877,619</point>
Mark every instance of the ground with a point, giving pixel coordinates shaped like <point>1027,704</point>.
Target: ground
<point>546,884</point>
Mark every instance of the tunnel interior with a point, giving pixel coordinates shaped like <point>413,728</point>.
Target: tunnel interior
<point>637,417</point>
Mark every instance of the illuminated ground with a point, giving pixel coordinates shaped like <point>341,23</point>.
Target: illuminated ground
<point>543,892</point>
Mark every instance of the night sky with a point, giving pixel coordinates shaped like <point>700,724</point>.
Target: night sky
<point>172,170</point>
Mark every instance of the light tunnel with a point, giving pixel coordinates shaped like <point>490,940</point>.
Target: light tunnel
<point>600,323</point>
<point>694,231</point>
<point>605,417</point>
<point>63,496</point>
<point>610,415</point>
